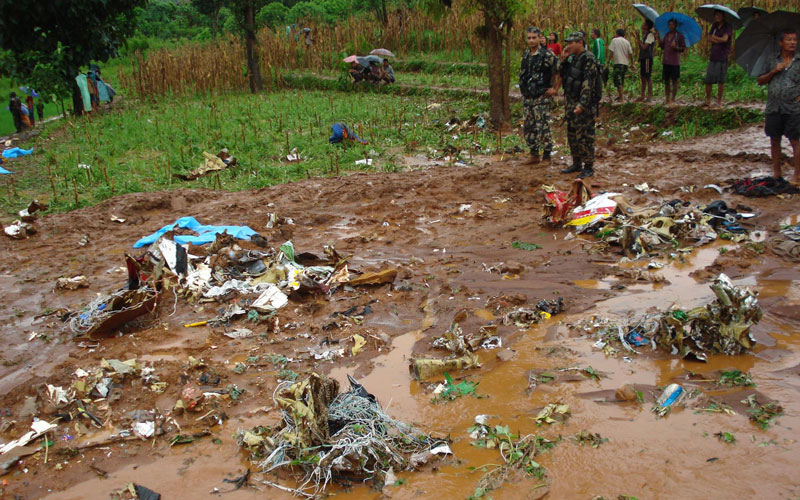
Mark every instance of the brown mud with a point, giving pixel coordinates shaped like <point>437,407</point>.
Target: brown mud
<point>414,221</point>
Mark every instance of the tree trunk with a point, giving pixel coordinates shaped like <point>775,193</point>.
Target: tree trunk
<point>498,103</point>
<point>507,71</point>
<point>251,50</point>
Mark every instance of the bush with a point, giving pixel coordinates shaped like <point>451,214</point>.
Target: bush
<point>273,14</point>
<point>307,11</point>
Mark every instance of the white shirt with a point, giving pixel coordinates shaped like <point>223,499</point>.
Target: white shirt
<point>622,51</point>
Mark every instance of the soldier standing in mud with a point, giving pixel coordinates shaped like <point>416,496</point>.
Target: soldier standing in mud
<point>580,77</point>
<point>538,82</point>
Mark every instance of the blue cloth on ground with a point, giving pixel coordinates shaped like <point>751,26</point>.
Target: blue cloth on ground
<point>205,234</point>
<point>16,152</point>
<point>4,171</point>
<point>340,132</point>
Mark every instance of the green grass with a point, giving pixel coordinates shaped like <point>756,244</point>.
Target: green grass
<point>139,146</point>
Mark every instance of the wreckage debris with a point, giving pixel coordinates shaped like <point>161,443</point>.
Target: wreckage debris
<point>211,164</point>
<point>523,317</point>
<point>72,283</point>
<point>26,225</point>
<point>720,327</point>
<point>330,435</point>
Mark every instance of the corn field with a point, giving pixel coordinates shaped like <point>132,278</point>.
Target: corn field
<point>221,66</point>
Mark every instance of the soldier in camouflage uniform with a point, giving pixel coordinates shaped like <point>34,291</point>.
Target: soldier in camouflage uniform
<point>538,76</point>
<point>582,83</point>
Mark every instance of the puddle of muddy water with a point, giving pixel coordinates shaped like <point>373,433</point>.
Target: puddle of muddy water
<point>645,456</point>
<point>661,451</point>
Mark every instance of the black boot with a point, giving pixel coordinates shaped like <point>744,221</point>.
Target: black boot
<point>546,155</point>
<point>587,171</point>
<point>576,167</point>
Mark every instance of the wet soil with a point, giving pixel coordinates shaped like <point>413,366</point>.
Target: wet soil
<point>415,221</point>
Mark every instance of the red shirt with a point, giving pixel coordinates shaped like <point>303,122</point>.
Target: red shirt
<point>555,47</point>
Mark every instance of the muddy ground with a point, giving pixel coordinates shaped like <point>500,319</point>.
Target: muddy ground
<point>413,221</point>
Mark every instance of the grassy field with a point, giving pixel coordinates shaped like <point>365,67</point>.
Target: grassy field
<point>138,146</point>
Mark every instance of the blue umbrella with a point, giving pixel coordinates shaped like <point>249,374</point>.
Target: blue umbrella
<point>687,26</point>
<point>29,91</point>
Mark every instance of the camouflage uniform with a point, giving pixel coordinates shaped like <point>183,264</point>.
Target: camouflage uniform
<point>578,73</point>
<point>535,77</point>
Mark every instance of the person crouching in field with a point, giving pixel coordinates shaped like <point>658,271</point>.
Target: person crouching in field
<point>783,103</point>
<point>538,82</point>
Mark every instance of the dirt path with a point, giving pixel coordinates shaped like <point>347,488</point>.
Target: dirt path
<point>416,222</point>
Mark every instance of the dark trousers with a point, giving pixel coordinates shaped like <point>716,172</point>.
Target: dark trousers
<point>580,136</point>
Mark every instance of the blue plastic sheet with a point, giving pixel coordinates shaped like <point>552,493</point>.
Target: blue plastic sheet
<point>4,171</point>
<point>16,152</point>
<point>205,234</point>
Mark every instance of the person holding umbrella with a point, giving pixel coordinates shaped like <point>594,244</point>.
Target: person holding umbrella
<point>720,35</point>
<point>647,44</point>
<point>673,45</point>
<point>783,103</point>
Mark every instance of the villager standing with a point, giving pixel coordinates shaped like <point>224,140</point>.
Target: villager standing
<point>15,106</point>
<point>647,44</point>
<point>621,56</point>
<point>720,35</point>
<point>31,111</point>
<point>583,89</point>
<point>538,82</point>
<point>673,44</point>
<point>783,103</point>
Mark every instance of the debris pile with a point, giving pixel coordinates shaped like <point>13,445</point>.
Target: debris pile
<point>720,327</point>
<point>331,435</point>
<point>260,277</point>
<point>26,225</point>
<point>211,163</point>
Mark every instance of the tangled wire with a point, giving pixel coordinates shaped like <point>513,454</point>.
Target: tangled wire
<point>364,442</point>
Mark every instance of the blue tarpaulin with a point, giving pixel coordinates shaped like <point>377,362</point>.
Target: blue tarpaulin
<point>15,152</point>
<point>4,171</point>
<point>205,234</point>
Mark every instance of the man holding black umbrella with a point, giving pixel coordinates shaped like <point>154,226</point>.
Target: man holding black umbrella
<point>720,35</point>
<point>783,103</point>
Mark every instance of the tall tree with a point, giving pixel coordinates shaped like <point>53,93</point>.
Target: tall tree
<point>63,35</point>
<point>498,17</point>
<point>210,8</point>
<point>245,11</point>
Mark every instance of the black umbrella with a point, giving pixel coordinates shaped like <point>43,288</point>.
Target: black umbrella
<point>646,11</point>
<point>746,14</point>
<point>757,46</point>
<point>706,12</point>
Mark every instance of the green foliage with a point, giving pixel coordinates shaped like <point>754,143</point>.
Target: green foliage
<point>62,36</point>
<point>763,414</point>
<point>521,245</point>
<point>736,378</point>
<point>453,391</point>
<point>726,437</point>
<point>273,14</point>
<point>308,11</point>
